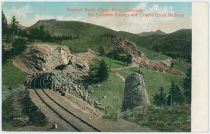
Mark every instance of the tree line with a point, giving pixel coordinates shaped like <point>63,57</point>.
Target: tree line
<point>175,96</point>
<point>41,34</point>
<point>20,38</point>
<point>11,34</point>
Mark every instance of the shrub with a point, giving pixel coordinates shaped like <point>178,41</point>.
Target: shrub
<point>98,72</point>
<point>18,46</point>
<point>127,58</point>
<point>103,71</point>
<point>160,99</point>
<point>176,96</point>
<point>101,50</point>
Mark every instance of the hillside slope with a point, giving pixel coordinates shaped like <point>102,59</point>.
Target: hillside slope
<point>177,44</point>
<point>158,32</point>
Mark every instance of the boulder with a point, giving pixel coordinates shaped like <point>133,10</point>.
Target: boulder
<point>135,93</point>
<point>44,57</point>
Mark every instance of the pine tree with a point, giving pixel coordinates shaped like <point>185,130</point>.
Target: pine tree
<point>187,86</point>
<point>103,71</point>
<point>172,93</point>
<point>18,46</point>
<point>176,95</point>
<point>4,24</point>
<point>179,97</point>
<point>101,50</point>
<point>14,26</point>
<point>160,99</point>
<point>129,59</point>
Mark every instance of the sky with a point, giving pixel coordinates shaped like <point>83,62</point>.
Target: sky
<point>28,13</point>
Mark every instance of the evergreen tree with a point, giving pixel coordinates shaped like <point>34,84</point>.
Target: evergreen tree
<point>160,98</point>
<point>129,59</point>
<point>172,93</point>
<point>169,100</point>
<point>103,71</point>
<point>4,24</point>
<point>101,50</point>
<point>187,86</point>
<point>172,65</point>
<point>98,72</point>
<point>14,27</point>
<point>176,96</point>
<point>18,46</point>
<point>179,97</point>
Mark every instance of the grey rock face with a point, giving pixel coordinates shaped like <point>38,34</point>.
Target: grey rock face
<point>135,93</point>
<point>45,57</point>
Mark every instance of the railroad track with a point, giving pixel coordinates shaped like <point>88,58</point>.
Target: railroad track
<point>74,117</point>
<point>66,115</point>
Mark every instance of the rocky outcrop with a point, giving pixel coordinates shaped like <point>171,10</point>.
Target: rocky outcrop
<point>135,93</point>
<point>121,45</point>
<point>44,57</point>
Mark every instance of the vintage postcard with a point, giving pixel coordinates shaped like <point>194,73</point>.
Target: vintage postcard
<point>103,66</point>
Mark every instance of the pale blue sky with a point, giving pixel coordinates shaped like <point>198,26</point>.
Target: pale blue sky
<point>29,12</point>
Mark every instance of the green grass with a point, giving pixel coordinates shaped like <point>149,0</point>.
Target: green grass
<point>90,36</point>
<point>167,119</point>
<point>112,88</point>
<point>11,76</point>
<point>113,63</point>
<point>152,55</point>
<point>154,80</point>
<point>181,65</point>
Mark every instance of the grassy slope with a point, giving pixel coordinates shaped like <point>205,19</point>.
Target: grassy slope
<point>91,36</point>
<point>181,65</point>
<point>112,88</point>
<point>154,80</point>
<point>176,43</point>
<point>11,76</point>
<point>167,119</point>
<point>111,63</point>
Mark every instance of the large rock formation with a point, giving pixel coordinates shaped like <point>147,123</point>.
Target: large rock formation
<point>135,93</point>
<point>122,47</point>
<point>44,57</point>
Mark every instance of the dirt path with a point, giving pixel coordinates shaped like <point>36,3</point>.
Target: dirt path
<point>120,76</point>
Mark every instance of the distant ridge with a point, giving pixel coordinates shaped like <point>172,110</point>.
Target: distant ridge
<point>158,32</point>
